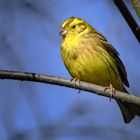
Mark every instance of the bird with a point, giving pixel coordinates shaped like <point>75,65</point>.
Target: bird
<point>89,57</point>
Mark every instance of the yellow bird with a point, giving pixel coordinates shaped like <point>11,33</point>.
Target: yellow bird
<point>89,57</point>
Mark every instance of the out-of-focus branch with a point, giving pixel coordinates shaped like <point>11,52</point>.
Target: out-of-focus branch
<point>35,77</point>
<point>129,18</point>
<point>136,5</point>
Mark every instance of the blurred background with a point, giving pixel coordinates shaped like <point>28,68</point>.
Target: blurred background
<point>30,41</point>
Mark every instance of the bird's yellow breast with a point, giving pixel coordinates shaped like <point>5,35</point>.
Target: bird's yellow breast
<point>89,62</point>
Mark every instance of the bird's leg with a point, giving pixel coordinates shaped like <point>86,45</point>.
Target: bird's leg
<point>112,90</point>
<point>76,80</point>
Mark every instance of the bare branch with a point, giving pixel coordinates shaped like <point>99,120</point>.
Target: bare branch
<point>129,18</point>
<point>43,78</point>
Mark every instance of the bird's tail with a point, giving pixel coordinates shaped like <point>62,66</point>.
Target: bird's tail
<point>128,110</point>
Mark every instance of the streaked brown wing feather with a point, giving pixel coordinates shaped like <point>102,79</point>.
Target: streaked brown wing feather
<point>115,55</point>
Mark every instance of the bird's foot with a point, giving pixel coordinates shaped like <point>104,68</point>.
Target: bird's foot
<point>76,81</point>
<point>111,89</point>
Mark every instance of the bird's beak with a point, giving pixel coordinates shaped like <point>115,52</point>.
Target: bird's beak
<point>63,32</point>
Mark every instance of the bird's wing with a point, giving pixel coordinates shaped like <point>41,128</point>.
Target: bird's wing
<point>115,55</point>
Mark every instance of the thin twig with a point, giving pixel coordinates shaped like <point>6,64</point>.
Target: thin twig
<point>43,78</point>
<point>129,18</point>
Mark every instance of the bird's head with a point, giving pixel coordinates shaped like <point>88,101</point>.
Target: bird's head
<point>74,26</point>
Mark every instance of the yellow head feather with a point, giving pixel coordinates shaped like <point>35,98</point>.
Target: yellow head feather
<point>76,26</point>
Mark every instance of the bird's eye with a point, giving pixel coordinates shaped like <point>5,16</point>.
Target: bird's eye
<point>74,26</point>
